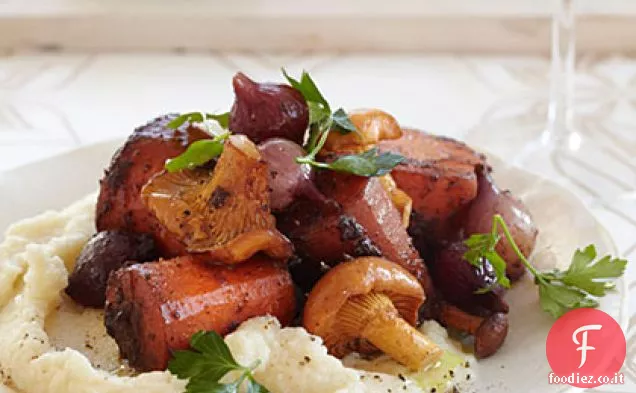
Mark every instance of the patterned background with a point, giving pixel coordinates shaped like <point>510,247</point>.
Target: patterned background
<point>51,103</point>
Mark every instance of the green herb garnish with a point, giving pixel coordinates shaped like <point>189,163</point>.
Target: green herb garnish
<point>308,89</point>
<point>198,117</point>
<point>198,153</point>
<point>368,163</point>
<point>202,151</point>
<point>579,286</point>
<point>342,123</point>
<point>210,360</point>
<point>322,121</point>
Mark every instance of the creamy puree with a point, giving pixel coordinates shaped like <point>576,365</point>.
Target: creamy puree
<point>49,344</point>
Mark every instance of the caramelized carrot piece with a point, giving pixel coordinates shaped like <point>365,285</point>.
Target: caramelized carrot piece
<point>438,174</point>
<point>362,222</point>
<point>153,309</point>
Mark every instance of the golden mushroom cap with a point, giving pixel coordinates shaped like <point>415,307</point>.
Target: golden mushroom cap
<point>224,211</point>
<point>373,126</point>
<point>360,276</point>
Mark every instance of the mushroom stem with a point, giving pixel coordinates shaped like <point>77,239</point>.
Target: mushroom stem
<point>374,317</point>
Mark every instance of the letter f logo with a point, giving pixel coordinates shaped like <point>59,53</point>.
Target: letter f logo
<point>583,344</point>
<point>574,335</point>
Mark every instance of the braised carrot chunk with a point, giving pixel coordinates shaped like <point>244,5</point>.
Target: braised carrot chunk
<point>153,309</point>
<point>438,173</point>
<point>119,206</point>
<point>361,220</point>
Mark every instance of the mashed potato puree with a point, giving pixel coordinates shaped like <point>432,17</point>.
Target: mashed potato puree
<point>49,344</point>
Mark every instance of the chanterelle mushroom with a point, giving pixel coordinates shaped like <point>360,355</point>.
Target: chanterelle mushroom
<point>368,304</point>
<point>223,212</point>
<point>372,125</point>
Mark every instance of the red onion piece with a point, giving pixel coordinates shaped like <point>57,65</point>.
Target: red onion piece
<point>267,110</point>
<point>288,180</point>
<point>491,200</point>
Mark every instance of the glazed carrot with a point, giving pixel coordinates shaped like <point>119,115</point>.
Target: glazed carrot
<point>363,222</point>
<point>154,308</point>
<point>119,206</point>
<point>438,174</point>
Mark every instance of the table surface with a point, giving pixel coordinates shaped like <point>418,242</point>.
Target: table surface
<point>52,103</point>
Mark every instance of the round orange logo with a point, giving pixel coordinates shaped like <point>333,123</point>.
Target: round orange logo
<point>585,348</point>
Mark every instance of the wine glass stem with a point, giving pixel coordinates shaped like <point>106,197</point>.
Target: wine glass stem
<point>562,72</point>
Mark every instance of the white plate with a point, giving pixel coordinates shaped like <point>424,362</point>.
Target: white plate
<point>520,366</point>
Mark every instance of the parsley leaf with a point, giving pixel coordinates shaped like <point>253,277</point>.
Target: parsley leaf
<point>579,286</point>
<point>308,89</point>
<point>317,113</point>
<point>584,273</point>
<point>197,117</point>
<point>322,121</point>
<point>198,153</point>
<point>210,360</point>
<point>192,117</point>
<point>342,122</point>
<point>556,300</point>
<point>482,246</point>
<point>223,119</point>
<point>477,245</point>
<point>368,163</point>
